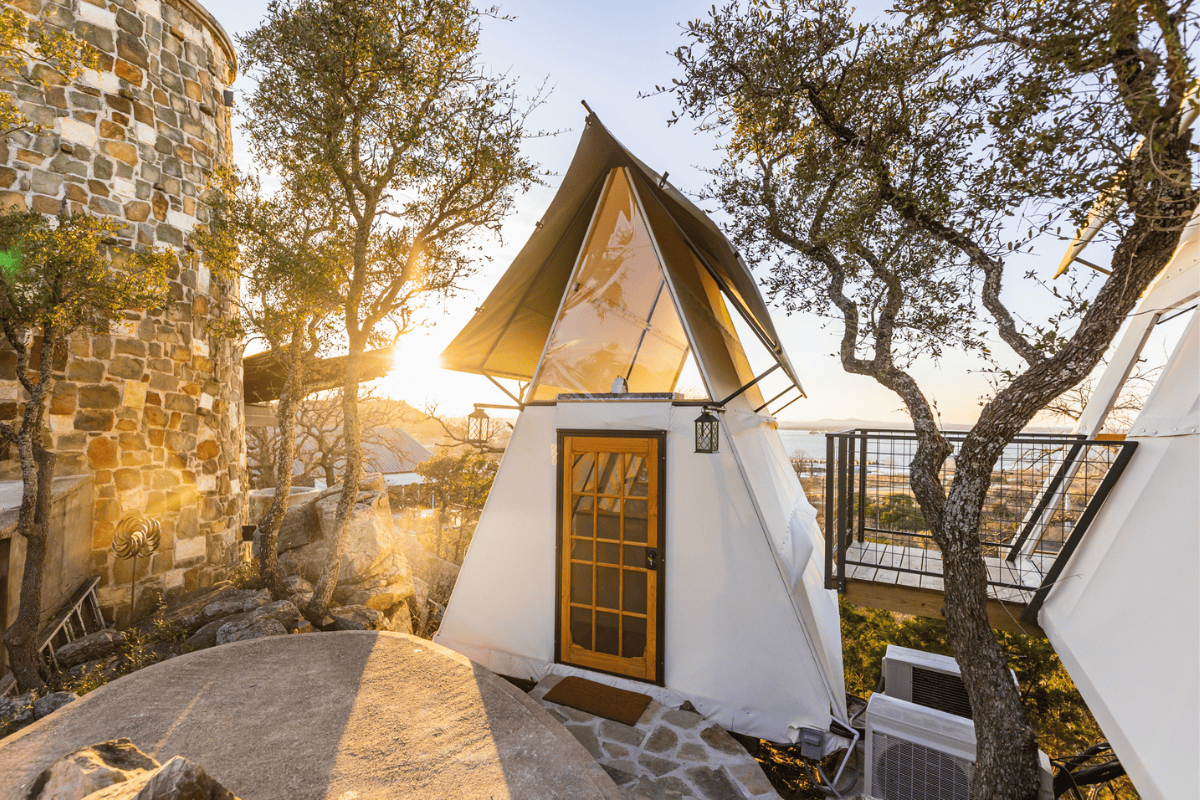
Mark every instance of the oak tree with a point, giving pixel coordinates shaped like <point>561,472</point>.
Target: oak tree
<point>889,171</point>
<point>384,108</point>
<point>57,276</point>
<point>289,251</point>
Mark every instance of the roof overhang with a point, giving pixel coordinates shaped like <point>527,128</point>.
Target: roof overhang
<point>263,373</point>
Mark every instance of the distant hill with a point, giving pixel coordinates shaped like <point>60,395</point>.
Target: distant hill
<point>847,424</point>
<point>840,424</point>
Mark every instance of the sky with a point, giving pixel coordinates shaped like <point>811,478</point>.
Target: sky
<point>612,54</point>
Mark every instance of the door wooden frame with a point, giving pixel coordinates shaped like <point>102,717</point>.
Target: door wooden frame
<point>660,604</point>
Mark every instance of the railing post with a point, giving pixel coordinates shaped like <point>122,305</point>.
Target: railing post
<point>862,488</point>
<point>829,513</point>
<point>842,512</point>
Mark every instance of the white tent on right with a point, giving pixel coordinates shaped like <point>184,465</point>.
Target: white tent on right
<point>1124,616</point>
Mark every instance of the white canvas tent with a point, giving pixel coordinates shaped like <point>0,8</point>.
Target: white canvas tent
<point>610,547</point>
<point>1125,615</point>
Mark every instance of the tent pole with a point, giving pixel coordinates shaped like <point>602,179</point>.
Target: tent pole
<point>748,385</point>
<point>500,386</point>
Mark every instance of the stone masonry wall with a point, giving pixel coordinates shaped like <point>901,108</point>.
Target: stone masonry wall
<point>153,408</point>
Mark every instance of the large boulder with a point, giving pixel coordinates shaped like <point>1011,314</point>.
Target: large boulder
<point>178,779</point>
<point>371,537</point>
<point>249,629</point>
<point>299,526</point>
<point>221,600</point>
<point>89,648</point>
<point>118,770</point>
<point>392,585</point>
<point>90,769</point>
<point>371,546</point>
<point>358,618</point>
<point>273,619</point>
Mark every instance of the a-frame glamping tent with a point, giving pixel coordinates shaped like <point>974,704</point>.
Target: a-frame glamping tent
<point>610,547</point>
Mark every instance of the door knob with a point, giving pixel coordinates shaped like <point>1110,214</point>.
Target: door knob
<point>652,559</point>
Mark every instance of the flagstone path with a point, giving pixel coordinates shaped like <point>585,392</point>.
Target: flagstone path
<point>670,754</point>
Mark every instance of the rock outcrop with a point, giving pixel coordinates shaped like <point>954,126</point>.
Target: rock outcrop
<point>17,712</point>
<point>118,770</point>
<point>374,573</point>
<point>100,644</point>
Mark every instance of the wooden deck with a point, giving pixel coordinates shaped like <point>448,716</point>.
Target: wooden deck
<point>878,580</point>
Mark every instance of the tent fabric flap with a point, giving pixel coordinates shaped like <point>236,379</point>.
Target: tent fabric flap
<point>506,336</point>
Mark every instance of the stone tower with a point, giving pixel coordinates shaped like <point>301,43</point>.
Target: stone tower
<point>153,409</point>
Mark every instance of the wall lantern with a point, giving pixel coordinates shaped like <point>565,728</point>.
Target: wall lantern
<point>479,427</point>
<point>707,433</point>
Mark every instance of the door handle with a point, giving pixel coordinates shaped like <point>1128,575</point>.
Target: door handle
<point>652,559</point>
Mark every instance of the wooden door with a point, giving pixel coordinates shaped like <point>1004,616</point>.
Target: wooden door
<point>610,547</point>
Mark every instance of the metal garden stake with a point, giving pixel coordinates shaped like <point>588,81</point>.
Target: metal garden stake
<point>136,536</point>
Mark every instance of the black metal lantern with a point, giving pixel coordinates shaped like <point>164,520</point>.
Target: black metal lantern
<point>707,433</point>
<point>479,427</point>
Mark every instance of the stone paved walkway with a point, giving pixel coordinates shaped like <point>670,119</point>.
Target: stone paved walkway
<point>670,754</point>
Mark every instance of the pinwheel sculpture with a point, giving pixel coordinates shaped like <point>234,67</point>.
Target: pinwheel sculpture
<point>136,536</point>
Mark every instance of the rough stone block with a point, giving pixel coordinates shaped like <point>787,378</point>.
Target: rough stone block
<point>656,765</point>
<point>714,784</point>
<point>751,777</point>
<point>100,395</point>
<point>626,734</point>
<point>716,738</point>
<point>102,453</point>
<point>661,740</point>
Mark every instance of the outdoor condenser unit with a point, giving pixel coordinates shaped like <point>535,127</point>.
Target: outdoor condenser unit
<point>927,679</point>
<point>919,753</point>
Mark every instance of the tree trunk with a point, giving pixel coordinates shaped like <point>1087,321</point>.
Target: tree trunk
<point>285,455</point>
<point>37,479</point>
<point>21,637</point>
<point>1006,746</point>
<point>317,608</point>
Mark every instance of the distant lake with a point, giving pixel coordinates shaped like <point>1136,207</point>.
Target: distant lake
<point>803,444</point>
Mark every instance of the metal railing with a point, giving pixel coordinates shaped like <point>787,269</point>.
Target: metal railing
<point>1044,492</point>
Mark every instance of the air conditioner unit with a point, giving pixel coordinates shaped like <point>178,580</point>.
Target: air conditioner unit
<point>927,679</point>
<point>920,753</point>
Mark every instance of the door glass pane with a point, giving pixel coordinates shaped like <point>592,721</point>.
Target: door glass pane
<point>607,633</point>
<point>608,521</point>
<point>636,522</point>
<point>608,552</point>
<point>635,591</point>
<point>635,556</point>
<point>581,627</point>
<point>581,549</point>
<point>581,523</point>
<point>608,587</point>
<point>610,472</point>
<point>637,477</point>
<point>633,637</point>
<point>581,583</point>
<point>583,473</point>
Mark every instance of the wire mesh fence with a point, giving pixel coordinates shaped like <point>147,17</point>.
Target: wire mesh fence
<point>1044,490</point>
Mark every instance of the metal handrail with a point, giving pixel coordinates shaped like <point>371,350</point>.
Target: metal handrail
<point>846,503</point>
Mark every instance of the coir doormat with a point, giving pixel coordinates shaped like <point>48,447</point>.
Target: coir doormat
<point>598,699</point>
